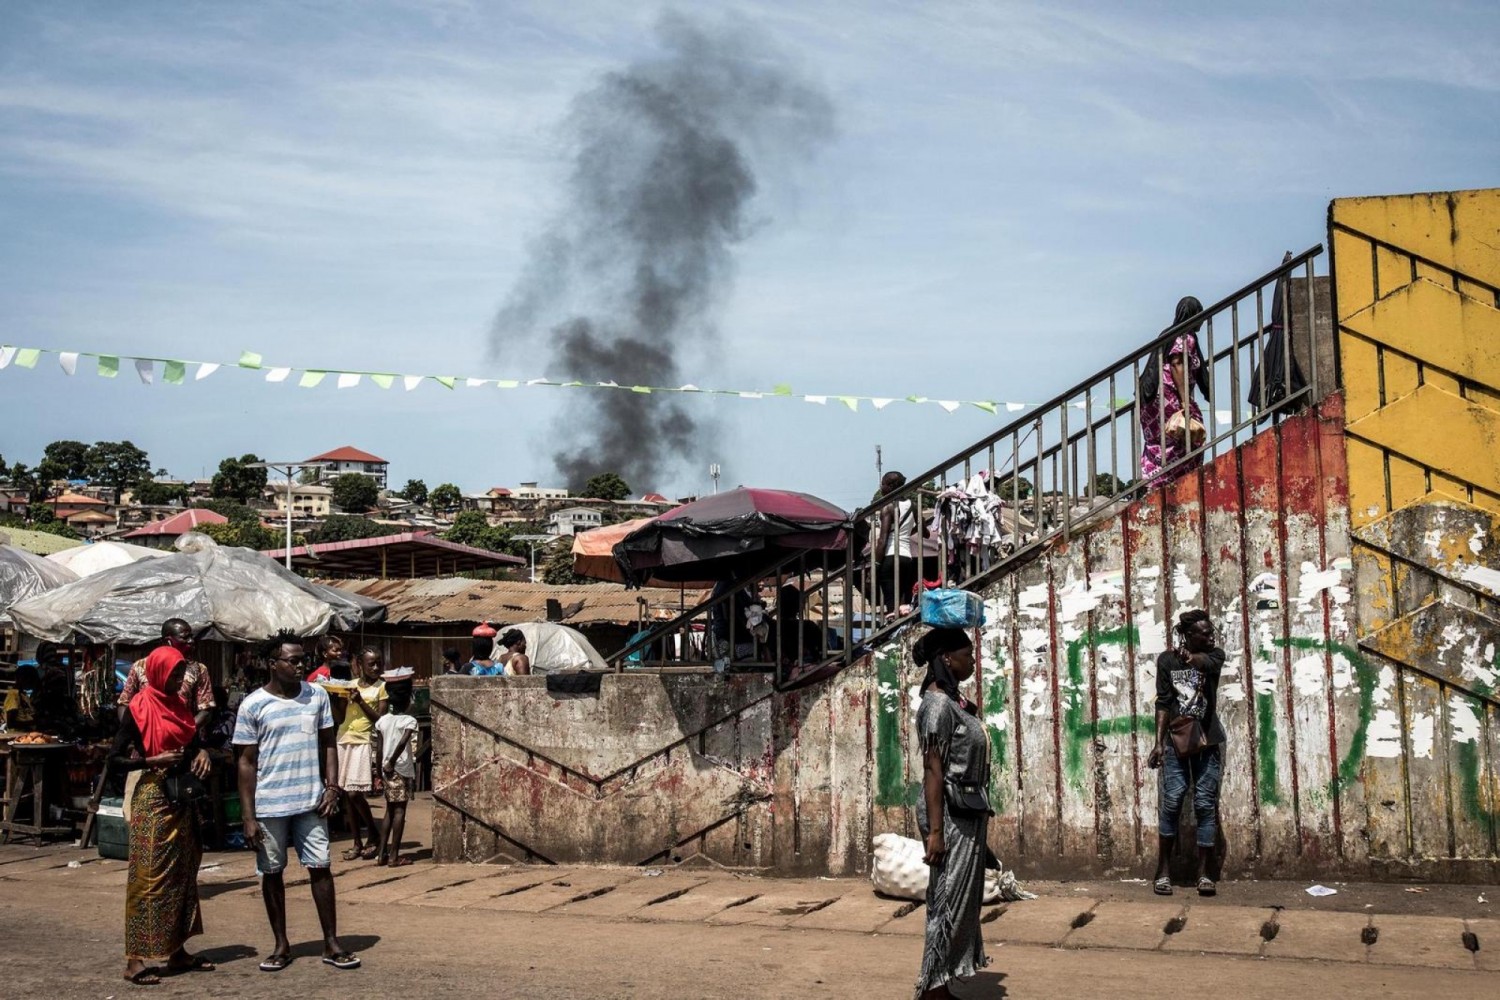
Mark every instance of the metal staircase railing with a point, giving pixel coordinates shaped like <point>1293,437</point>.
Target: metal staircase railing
<point>1042,476</point>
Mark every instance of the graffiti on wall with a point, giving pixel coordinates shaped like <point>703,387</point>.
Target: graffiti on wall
<point>1315,663</point>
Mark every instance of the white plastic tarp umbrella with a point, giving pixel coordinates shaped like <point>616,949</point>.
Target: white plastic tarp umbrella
<point>224,592</point>
<point>551,646</point>
<point>24,575</point>
<point>86,560</point>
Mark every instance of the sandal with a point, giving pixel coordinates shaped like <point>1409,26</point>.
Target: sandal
<point>400,862</point>
<point>195,963</point>
<point>342,960</point>
<point>146,977</point>
<point>1162,886</point>
<point>353,854</point>
<point>275,963</point>
<point>368,854</point>
<point>1206,886</point>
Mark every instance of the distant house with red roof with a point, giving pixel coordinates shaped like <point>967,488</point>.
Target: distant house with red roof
<point>161,534</point>
<point>351,459</point>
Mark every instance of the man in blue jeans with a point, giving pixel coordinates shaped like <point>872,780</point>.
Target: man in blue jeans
<point>1187,685</point>
<point>288,789</point>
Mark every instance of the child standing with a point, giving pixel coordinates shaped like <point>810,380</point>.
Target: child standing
<point>356,762</point>
<point>395,748</point>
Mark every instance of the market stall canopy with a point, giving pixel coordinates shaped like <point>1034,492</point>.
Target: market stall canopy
<point>729,535</point>
<point>594,555</point>
<point>23,575</point>
<point>551,646</point>
<point>86,560</point>
<point>224,592</point>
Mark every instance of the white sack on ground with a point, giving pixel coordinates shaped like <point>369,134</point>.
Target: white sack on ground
<point>899,870</point>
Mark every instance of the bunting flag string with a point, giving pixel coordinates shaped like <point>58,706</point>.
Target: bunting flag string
<point>173,371</point>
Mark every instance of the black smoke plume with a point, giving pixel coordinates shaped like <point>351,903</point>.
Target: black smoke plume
<point>667,157</point>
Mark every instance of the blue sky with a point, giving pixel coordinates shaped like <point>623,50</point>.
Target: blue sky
<point>1016,195</point>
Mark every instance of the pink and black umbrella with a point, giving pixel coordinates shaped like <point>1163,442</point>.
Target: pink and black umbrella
<point>729,535</point>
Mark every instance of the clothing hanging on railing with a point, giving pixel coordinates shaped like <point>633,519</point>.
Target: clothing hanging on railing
<point>971,522</point>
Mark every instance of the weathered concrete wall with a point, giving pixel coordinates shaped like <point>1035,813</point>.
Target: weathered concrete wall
<point>1416,281</point>
<point>655,768</point>
<point>665,768</point>
<point>1259,538</point>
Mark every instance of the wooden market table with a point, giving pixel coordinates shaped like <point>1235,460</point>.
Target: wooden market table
<point>35,777</point>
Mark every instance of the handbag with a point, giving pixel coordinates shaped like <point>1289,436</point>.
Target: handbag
<point>184,788</point>
<point>966,799</point>
<point>1186,731</point>
<point>1188,737</point>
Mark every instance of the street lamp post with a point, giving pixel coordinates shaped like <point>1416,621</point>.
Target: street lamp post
<point>290,468</point>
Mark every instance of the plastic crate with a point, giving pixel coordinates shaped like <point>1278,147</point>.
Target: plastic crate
<point>109,825</point>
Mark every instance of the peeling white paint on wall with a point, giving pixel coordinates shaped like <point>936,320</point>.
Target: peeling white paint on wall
<point>1036,697</point>
<point>1476,540</point>
<point>1384,737</point>
<point>1463,721</point>
<point>1263,678</point>
<point>1482,576</point>
<point>1185,589</point>
<point>1313,581</point>
<point>1308,675</point>
<point>1421,735</point>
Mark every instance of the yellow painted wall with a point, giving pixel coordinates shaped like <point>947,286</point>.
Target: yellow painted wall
<point>1417,291</point>
<point>1416,279</point>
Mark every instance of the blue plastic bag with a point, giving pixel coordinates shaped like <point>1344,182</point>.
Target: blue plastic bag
<point>946,607</point>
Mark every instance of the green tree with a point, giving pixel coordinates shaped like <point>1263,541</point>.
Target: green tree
<point>154,494</point>
<point>558,569</point>
<point>117,464</point>
<point>606,486</point>
<point>471,527</point>
<point>42,518</point>
<point>445,497</point>
<point>69,459</point>
<point>355,493</point>
<point>415,490</point>
<point>236,512</point>
<point>235,480</point>
<point>346,527</point>
<point>22,478</point>
<point>1023,487</point>
<point>1108,485</point>
<point>248,535</point>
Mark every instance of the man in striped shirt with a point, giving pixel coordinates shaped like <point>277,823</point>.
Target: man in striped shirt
<point>288,790</point>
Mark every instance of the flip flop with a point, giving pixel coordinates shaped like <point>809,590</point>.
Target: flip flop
<point>400,863</point>
<point>353,854</point>
<point>1162,886</point>
<point>275,963</point>
<point>369,853</point>
<point>343,960</point>
<point>146,977</point>
<point>195,963</point>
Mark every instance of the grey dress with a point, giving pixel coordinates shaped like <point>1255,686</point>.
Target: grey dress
<point>955,885</point>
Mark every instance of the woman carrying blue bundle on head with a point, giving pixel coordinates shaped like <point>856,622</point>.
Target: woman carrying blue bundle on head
<point>953,813</point>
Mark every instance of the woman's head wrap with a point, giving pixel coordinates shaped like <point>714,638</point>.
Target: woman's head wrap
<point>164,719</point>
<point>930,651</point>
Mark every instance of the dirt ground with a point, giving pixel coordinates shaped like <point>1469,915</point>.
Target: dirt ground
<point>457,931</point>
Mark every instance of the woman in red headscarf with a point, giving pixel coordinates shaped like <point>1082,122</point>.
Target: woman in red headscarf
<point>158,735</point>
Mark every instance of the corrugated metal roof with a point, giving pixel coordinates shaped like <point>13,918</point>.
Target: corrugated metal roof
<point>39,543</point>
<point>455,599</point>
<point>179,524</point>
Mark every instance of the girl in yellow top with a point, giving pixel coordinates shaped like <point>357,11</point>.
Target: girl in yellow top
<point>356,771</point>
